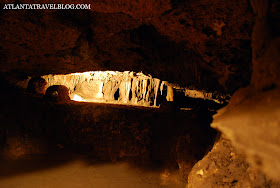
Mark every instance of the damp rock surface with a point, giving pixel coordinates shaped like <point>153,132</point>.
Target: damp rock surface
<point>251,119</point>
<point>252,124</point>
<point>224,166</point>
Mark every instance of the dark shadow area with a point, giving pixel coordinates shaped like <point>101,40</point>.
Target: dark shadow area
<point>196,103</point>
<point>157,51</point>
<point>117,95</point>
<point>50,134</point>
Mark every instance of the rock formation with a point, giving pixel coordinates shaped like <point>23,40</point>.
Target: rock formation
<point>117,87</point>
<point>203,44</point>
<point>57,93</point>
<point>251,119</point>
<point>224,166</point>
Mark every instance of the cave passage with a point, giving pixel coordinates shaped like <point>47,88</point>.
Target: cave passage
<point>87,136</point>
<point>109,87</point>
<point>143,93</point>
<point>126,88</point>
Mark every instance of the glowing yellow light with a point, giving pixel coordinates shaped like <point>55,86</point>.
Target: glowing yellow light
<point>100,94</point>
<point>78,98</point>
<point>116,87</point>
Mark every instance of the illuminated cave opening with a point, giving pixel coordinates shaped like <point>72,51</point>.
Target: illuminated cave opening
<point>126,88</point>
<point>109,87</point>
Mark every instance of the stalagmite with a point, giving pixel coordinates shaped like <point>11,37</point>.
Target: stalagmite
<point>170,93</point>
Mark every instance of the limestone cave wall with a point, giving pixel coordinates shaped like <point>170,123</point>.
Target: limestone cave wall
<point>182,42</point>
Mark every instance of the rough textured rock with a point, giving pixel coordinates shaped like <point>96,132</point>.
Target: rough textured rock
<point>251,120</point>
<point>18,146</point>
<point>191,147</point>
<point>215,30</point>
<point>200,44</point>
<point>252,124</point>
<point>224,166</point>
<point>57,93</point>
<point>266,45</point>
<point>183,42</point>
<point>37,85</point>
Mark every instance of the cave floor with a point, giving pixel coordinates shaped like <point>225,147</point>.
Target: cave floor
<point>77,144</point>
<point>64,169</point>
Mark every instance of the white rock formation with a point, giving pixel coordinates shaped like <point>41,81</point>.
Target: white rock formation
<point>127,87</point>
<point>109,86</point>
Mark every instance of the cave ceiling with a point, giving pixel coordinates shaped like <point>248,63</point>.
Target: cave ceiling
<point>196,43</point>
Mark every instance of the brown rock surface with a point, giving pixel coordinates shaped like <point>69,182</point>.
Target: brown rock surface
<point>37,85</point>
<point>200,44</point>
<point>181,42</point>
<point>58,93</point>
<point>251,120</point>
<point>252,124</point>
<point>224,166</point>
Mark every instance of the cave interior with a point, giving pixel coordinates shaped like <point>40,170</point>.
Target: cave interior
<point>158,93</point>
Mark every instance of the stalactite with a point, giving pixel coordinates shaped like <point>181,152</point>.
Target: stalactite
<point>137,90</point>
<point>127,89</point>
<point>133,89</point>
<point>161,86</point>
<point>156,87</point>
<point>122,91</point>
<point>145,82</point>
<point>149,90</point>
